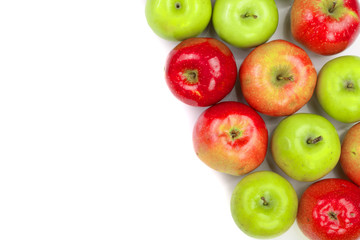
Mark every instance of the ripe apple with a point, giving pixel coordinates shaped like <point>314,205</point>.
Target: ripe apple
<point>338,88</point>
<point>350,154</point>
<point>305,146</point>
<point>200,71</point>
<point>277,78</point>
<point>230,137</point>
<point>178,19</point>
<point>330,209</point>
<point>325,26</point>
<point>245,23</point>
<point>264,204</point>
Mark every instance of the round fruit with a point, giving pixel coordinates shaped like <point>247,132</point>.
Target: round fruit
<point>245,23</point>
<point>305,146</point>
<point>264,205</point>
<point>200,71</point>
<point>277,78</point>
<point>330,209</point>
<point>338,88</point>
<point>350,154</point>
<point>231,137</point>
<point>325,26</point>
<point>178,19</point>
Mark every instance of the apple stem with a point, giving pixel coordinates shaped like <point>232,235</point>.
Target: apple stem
<point>285,78</point>
<point>246,15</point>
<point>265,203</point>
<point>332,9</point>
<point>315,140</point>
<point>177,5</point>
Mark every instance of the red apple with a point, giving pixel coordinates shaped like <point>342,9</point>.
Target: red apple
<point>231,137</point>
<point>200,71</point>
<point>330,209</point>
<point>350,154</point>
<point>325,26</point>
<point>277,78</point>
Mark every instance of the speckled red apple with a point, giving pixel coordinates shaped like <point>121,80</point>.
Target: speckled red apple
<point>330,209</point>
<point>200,71</point>
<point>325,26</point>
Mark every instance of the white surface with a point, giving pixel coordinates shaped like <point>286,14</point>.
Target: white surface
<point>92,143</point>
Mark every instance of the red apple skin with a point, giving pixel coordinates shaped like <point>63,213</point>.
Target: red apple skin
<point>313,26</point>
<point>215,68</point>
<point>330,209</point>
<point>259,74</point>
<point>350,154</point>
<point>231,137</point>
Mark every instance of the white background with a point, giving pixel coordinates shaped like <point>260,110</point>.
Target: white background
<point>92,143</point>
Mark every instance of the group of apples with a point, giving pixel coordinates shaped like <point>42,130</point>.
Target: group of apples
<point>277,78</point>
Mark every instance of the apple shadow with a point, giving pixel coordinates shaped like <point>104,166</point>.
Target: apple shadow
<point>287,26</point>
<point>283,3</point>
<point>230,182</point>
<point>339,172</point>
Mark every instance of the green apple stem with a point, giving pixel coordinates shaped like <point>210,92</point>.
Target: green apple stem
<point>332,9</point>
<point>177,5</point>
<point>246,15</point>
<point>315,140</point>
<point>265,203</point>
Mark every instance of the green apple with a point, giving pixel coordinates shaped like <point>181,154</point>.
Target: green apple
<point>264,204</point>
<point>338,88</point>
<point>177,20</point>
<point>245,23</point>
<point>305,146</point>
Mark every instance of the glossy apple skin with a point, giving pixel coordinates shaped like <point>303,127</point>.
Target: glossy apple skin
<point>350,154</point>
<point>259,81</point>
<point>215,69</point>
<point>218,145</point>
<point>321,202</point>
<point>252,216</point>
<point>233,27</point>
<point>177,20</point>
<point>299,159</point>
<point>322,32</point>
<point>339,101</point>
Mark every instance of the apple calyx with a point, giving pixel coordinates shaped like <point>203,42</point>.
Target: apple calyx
<point>235,133</point>
<point>177,5</point>
<point>247,15</point>
<point>265,203</point>
<point>350,86</point>
<point>191,76</point>
<point>315,140</point>
<point>333,216</point>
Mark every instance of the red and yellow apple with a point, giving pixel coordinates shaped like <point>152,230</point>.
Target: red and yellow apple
<point>350,154</point>
<point>200,71</point>
<point>277,78</point>
<point>231,137</point>
<point>325,26</point>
